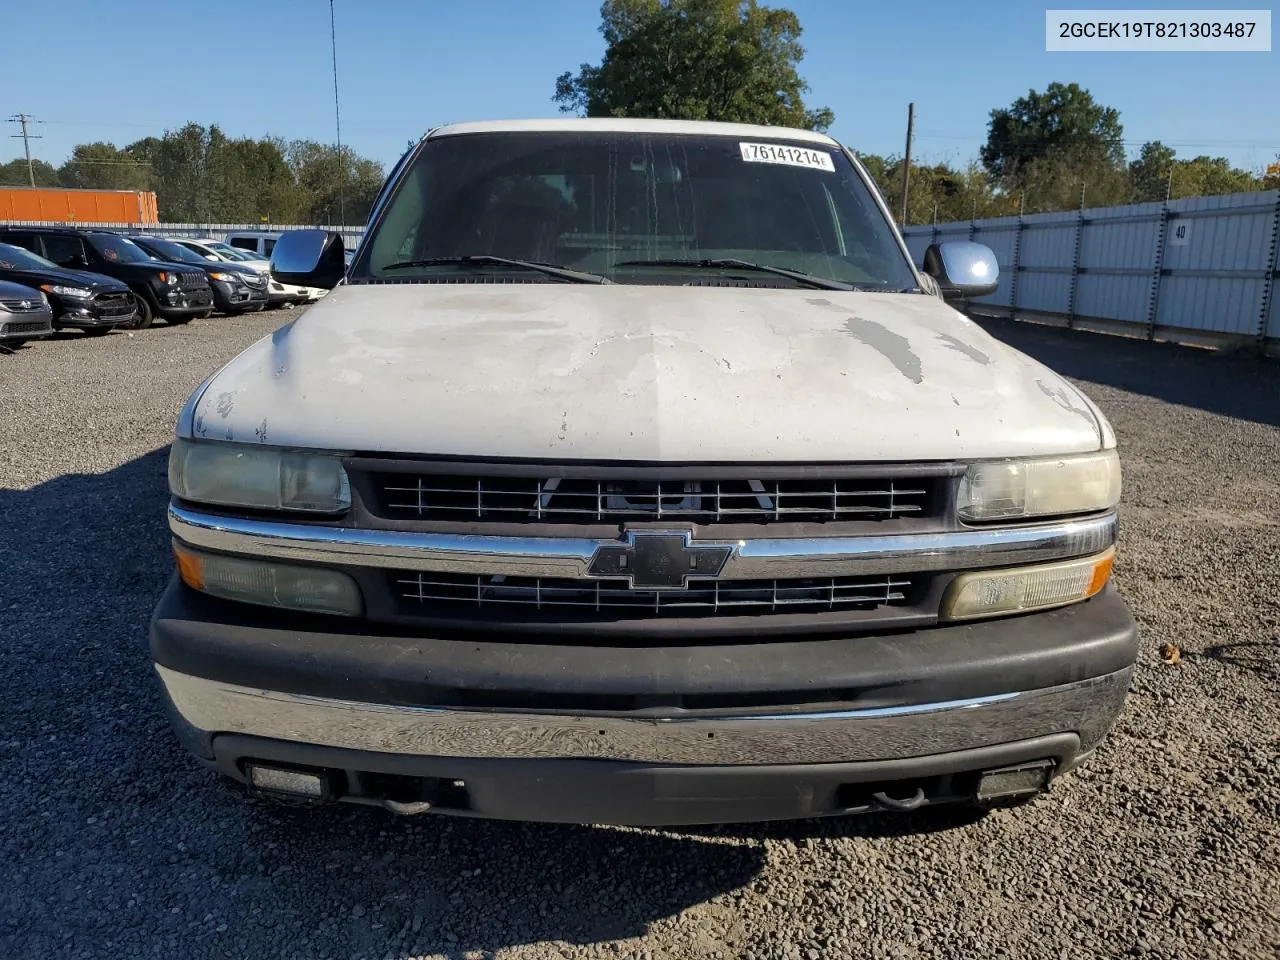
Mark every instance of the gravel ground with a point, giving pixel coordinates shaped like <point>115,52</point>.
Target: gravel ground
<point>115,844</point>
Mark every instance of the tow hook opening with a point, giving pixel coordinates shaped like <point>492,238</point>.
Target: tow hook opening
<point>1014,783</point>
<point>295,783</point>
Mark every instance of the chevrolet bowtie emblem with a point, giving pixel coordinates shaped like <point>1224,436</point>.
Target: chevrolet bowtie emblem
<point>659,560</point>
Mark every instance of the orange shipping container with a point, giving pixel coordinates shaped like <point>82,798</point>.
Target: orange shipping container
<point>77,206</point>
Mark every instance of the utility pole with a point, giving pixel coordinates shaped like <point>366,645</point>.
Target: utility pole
<point>337,123</point>
<point>24,119</point>
<point>906,163</point>
<point>1168,190</point>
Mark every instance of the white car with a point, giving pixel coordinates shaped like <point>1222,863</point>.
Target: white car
<point>634,474</point>
<point>278,293</point>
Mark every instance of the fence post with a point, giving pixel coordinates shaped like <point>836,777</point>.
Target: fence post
<point>1075,269</point>
<point>1269,280</point>
<point>1153,298</point>
<point>1013,280</point>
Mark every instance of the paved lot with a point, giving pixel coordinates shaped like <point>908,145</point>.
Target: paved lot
<point>113,844</point>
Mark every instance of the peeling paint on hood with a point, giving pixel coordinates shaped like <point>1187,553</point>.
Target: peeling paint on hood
<point>643,373</point>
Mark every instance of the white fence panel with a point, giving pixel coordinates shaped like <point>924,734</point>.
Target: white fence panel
<point>1200,269</point>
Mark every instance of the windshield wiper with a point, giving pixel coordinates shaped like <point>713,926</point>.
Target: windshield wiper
<point>730,263</point>
<point>488,260</point>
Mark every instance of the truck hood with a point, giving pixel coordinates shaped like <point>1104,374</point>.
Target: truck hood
<point>642,373</point>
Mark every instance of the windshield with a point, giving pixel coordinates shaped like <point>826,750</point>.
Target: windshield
<point>15,258</point>
<point>117,249</point>
<point>226,251</point>
<point>598,201</point>
<point>168,250</point>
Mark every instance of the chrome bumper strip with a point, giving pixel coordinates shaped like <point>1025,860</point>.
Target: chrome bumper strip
<point>571,556</point>
<point>1087,707</point>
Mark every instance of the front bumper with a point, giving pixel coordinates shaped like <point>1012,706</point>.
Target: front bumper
<point>27,325</point>
<point>512,720</point>
<point>237,297</point>
<point>89,317</point>
<point>185,301</point>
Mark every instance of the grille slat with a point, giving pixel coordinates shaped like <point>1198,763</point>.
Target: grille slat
<point>578,500</point>
<point>26,326</point>
<point>113,304</point>
<point>441,592</point>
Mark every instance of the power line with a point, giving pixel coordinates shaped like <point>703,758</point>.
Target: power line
<point>23,119</point>
<point>1259,144</point>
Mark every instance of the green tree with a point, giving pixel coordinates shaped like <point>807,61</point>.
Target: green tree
<point>104,166</point>
<point>184,181</point>
<point>333,183</point>
<point>937,191</point>
<point>14,173</point>
<point>1149,174</point>
<point>731,60</point>
<point>1062,126</point>
<point>1212,176</point>
<point>1271,176</point>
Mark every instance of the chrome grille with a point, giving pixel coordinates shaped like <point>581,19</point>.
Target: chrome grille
<point>580,500</point>
<point>27,305</point>
<point>188,281</point>
<point>255,280</point>
<point>443,592</point>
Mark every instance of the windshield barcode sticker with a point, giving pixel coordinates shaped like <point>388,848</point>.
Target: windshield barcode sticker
<point>792,156</point>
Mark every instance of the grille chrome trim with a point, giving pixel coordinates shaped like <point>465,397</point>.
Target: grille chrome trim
<point>434,592</point>
<point>571,556</point>
<point>582,499</point>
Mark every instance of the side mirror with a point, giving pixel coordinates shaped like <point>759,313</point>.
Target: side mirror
<point>308,258</point>
<point>963,269</point>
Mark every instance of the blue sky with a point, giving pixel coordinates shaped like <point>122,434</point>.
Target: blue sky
<point>263,67</point>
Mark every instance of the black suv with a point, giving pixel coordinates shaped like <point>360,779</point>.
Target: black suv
<point>176,292</point>
<point>236,288</point>
<point>91,302</point>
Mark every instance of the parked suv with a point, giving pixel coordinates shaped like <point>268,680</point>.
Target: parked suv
<point>236,288</point>
<point>175,292</point>
<point>90,302</point>
<point>634,474</point>
<point>215,251</point>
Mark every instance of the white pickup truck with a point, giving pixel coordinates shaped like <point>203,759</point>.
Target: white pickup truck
<point>632,473</point>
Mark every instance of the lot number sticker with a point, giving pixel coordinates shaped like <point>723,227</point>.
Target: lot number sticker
<point>1180,234</point>
<point>791,156</point>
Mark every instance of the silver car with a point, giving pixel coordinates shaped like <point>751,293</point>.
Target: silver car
<point>25,315</point>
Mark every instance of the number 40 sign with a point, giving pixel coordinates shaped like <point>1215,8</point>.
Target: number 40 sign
<point>1179,233</point>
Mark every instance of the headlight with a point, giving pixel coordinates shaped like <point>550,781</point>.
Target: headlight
<point>219,275</point>
<point>168,277</point>
<point>993,593</point>
<point>1046,486</point>
<point>263,478</point>
<point>287,585</point>
<point>56,289</point>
